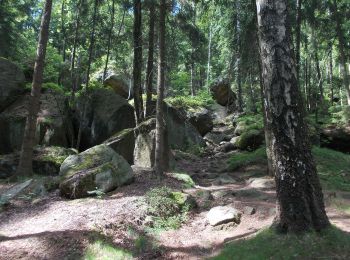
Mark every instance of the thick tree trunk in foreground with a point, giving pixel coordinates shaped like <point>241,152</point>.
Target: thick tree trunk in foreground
<point>300,205</point>
<point>137,62</point>
<point>150,67</point>
<point>25,163</point>
<point>160,125</point>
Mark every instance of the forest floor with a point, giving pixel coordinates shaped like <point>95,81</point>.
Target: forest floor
<point>56,228</point>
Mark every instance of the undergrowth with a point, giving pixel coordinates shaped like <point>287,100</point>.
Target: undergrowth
<point>333,167</point>
<point>329,244</point>
<point>201,100</point>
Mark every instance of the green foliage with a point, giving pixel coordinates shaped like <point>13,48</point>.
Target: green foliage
<point>251,121</point>
<point>53,86</point>
<point>183,177</point>
<point>333,168</point>
<point>195,149</point>
<point>168,208</point>
<point>339,115</point>
<point>328,244</point>
<point>246,158</point>
<point>201,100</point>
<point>101,250</point>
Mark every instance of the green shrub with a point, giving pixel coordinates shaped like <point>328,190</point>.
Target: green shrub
<point>246,158</point>
<point>185,178</point>
<point>52,86</point>
<point>201,100</point>
<point>168,208</point>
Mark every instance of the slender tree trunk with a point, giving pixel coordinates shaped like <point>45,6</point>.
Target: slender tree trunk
<point>109,42</point>
<point>193,81</point>
<point>63,43</point>
<point>91,51</point>
<point>137,62</point>
<point>25,167</point>
<point>331,74</point>
<point>252,95</point>
<point>209,54</point>
<point>150,65</point>
<point>341,46</point>
<point>160,123</point>
<point>298,36</point>
<point>300,205</point>
<point>75,46</point>
<point>238,61</point>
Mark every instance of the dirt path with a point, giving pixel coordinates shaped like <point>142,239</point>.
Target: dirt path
<point>54,228</point>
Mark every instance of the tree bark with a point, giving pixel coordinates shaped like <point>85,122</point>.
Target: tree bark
<point>63,42</point>
<point>209,54</point>
<point>25,167</point>
<point>300,205</point>
<point>298,36</point>
<point>91,50</point>
<point>238,60</point>
<point>341,46</point>
<point>109,42</point>
<point>75,45</point>
<point>331,74</point>
<point>137,62</point>
<point>159,165</point>
<point>150,66</point>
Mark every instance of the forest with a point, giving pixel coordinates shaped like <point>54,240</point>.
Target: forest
<point>174,129</point>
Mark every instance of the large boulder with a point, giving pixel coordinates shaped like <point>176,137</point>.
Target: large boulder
<point>222,215</point>
<point>202,121</point>
<point>11,83</point>
<point>222,93</point>
<point>102,113</point>
<point>249,140</point>
<point>119,86</point>
<point>337,138</point>
<point>46,161</point>
<point>98,169</point>
<point>54,124</point>
<point>145,145</point>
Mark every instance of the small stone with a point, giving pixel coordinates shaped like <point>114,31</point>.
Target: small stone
<point>222,215</point>
<point>249,210</point>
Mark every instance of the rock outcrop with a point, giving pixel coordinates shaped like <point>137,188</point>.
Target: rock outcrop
<point>222,93</point>
<point>46,161</point>
<point>54,125</point>
<point>202,121</point>
<point>119,86</point>
<point>12,82</point>
<point>337,138</point>
<point>98,169</point>
<point>103,114</point>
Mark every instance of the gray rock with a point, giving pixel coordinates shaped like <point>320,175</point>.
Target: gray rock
<point>106,114</point>
<point>262,183</point>
<point>119,86</point>
<point>11,83</point>
<point>98,168</point>
<point>202,121</point>
<point>123,143</point>
<point>54,125</point>
<point>249,210</point>
<point>222,93</point>
<point>222,215</point>
<point>14,191</point>
<point>46,161</point>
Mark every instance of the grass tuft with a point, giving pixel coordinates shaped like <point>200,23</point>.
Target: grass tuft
<point>100,250</point>
<point>328,244</point>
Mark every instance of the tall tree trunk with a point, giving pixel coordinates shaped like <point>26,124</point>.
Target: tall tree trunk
<point>341,46</point>
<point>300,205</point>
<point>298,36</point>
<point>137,62</point>
<point>75,46</point>
<point>331,74</point>
<point>109,42</point>
<point>160,164</point>
<point>238,60</point>
<point>91,51</point>
<point>193,81</point>
<point>25,167</point>
<point>251,92</point>
<point>150,65</point>
<point>63,43</point>
<point>209,54</point>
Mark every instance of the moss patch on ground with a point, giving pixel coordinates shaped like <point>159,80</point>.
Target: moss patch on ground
<point>329,244</point>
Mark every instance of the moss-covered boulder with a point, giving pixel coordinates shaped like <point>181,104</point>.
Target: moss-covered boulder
<point>11,83</point>
<point>46,161</point>
<point>97,169</point>
<point>249,140</point>
<point>123,143</point>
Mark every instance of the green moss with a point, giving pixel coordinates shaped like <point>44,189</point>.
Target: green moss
<point>201,100</point>
<point>329,244</point>
<point>250,138</point>
<point>183,177</point>
<point>101,250</point>
<point>246,158</point>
